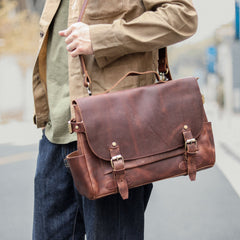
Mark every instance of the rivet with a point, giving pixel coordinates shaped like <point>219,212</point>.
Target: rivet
<point>185,127</point>
<point>114,144</point>
<point>76,127</point>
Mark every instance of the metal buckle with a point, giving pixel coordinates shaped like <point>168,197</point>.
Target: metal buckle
<point>163,76</point>
<point>70,127</point>
<point>89,90</point>
<point>116,158</point>
<point>190,141</point>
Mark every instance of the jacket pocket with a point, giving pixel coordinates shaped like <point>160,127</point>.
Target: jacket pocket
<point>102,9</point>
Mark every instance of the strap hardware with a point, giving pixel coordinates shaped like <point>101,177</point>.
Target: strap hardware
<point>116,158</point>
<point>163,75</point>
<point>191,148</point>
<point>88,89</point>
<point>190,141</point>
<point>74,126</point>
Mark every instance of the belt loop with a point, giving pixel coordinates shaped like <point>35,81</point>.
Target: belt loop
<point>117,162</point>
<point>191,149</point>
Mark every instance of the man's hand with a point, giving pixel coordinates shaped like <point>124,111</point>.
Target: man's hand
<point>78,39</point>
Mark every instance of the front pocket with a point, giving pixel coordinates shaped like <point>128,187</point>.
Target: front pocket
<point>101,9</point>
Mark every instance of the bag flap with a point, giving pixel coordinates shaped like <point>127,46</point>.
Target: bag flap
<point>144,121</point>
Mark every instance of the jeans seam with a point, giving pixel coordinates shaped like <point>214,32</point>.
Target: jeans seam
<point>65,161</point>
<point>75,223</point>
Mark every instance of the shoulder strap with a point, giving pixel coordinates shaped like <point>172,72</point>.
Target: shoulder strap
<point>87,79</point>
<point>163,67</point>
<point>84,6</point>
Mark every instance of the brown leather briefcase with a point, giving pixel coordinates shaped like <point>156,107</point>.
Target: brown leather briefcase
<point>137,136</point>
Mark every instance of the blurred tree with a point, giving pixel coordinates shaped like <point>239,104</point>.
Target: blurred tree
<point>30,5</point>
<point>20,37</point>
<point>38,5</point>
<point>22,5</point>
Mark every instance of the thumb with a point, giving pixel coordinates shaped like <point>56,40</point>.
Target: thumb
<point>66,32</point>
<point>62,33</point>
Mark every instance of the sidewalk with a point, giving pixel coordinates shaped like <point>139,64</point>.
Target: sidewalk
<point>226,127</point>
<point>226,130</point>
<point>19,133</point>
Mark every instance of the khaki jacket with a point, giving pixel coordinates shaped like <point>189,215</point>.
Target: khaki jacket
<point>125,37</point>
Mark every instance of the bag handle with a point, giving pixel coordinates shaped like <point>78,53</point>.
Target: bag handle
<point>163,67</point>
<point>133,73</point>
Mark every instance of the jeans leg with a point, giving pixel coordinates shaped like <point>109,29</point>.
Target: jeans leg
<point>113,218</point>
<point>56,211</point>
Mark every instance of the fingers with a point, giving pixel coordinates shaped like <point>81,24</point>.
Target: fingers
<point>76,48</point>
<point>72,46</point>
<point>74,36</point>
<point>69,39</point>
<point>62,33</point>
<point>77,39</point>
<point>76,52</point>
<point>69,30</point>
<point>66,32</point>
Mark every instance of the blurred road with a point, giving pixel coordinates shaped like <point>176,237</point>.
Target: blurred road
<point>207,209</point>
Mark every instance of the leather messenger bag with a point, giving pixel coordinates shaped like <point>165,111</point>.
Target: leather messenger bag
<point>137,136</point>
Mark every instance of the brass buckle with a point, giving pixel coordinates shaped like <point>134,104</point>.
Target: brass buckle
<point>70,127</point>
<point>163,75</point>
<point>88,89</point>
<point>116,158</point>
<point>190,141</point>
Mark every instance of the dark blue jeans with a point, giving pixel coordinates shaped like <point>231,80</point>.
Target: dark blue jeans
<point>60,213</point>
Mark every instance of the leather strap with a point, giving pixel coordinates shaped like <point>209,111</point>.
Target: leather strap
<point>87,79</point>
<point>117,162</point>
<point>190,151</point>
<point>82,10</point>
<point>163,67</point>
<point>77,127</point>
<point>133,73</point>
<point>163,63</point>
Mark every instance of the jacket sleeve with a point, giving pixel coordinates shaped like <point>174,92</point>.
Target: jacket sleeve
<point>164,22</point>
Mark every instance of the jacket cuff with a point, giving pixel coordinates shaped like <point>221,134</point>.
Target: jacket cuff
<point>106,46</point>
<point>40,122</point>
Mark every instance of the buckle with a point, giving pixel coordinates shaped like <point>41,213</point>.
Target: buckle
<point>88,89</point>
<point>190,141</point>
<point>116,158</point>
<point>70,127</point>
<point>163,75</point>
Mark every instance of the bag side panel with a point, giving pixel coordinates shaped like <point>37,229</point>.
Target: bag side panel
<point>80,174</point>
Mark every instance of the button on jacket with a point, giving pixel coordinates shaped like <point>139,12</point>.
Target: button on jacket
<point>125,34</point>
